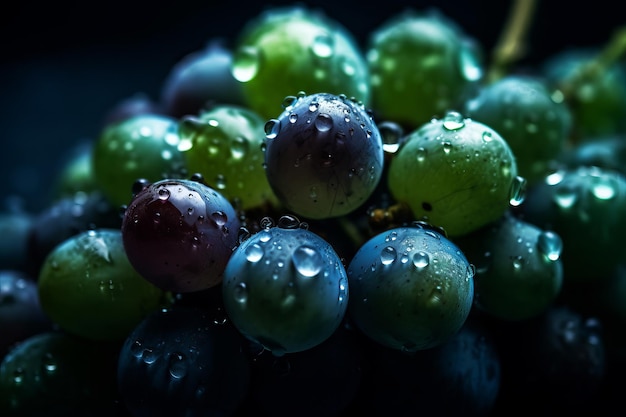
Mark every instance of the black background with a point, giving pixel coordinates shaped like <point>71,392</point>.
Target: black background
<point>64,64</point>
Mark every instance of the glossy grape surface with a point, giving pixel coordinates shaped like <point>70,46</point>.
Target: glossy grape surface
<point>297,48</point>
<point>223,144</point>
<point>456,173</point>
<point>285,288</point>
<point>323,156</point>
<point>179,234</point>
<point>411,288</point>
<point>143,146</point>
<point>523,110</point>
<point>180,361</point>
<point>88,287</point>
<point>421,65</point>
<point>519,273</point>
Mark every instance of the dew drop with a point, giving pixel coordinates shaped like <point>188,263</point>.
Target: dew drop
<point>307,261</point>
<point>604,188</point>
<point>240,293</point>
<point>388,255</point>
<point>555,178</point>
<point>254,253</point>
<point>565,197</point>
<point>293,117</point>
<point>245,63</point>
<point>421,154</point>
<point>178,365</point>
<point>272,128</point>
<point>550,244</point>
<point>163,194</point>
<point>323,46</point>
<point>323,122</point>
<point>421,260</point>
<point>517,261</point>
<point>453,121</point>
<point>148,356</point>
<point>447,147</point>
<point>517,192</point>
<point>49,363</point>
<point>487,136</point>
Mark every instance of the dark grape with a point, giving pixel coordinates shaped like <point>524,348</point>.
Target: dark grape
<point>180,361</point>
<point>411,288</point>
<point>179,234</point>
<point>323,156</point>
<point>285,288</point>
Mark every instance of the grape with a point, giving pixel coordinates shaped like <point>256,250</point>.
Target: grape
<point>179,234</point>
<point>595,93</point>
<point>223,144</point>
<point>285,288</point>
<point>295,48</point>
<point>411,288</point>
<point>143,146</point>
<point>321,381</point>
<point>88,287</point>
<point>456,173</point>
<point>585,207</point>
<point>519,273</point>
<point>64,218</point>
<point>606,152</point>
<point>21,314</point>
<point>323,155</point>
<point>459,377</point>
<point>421,65</point>
<point>199,79</point>
<point>523,111</point>
<point>55,374</point>
<point>179,361</point>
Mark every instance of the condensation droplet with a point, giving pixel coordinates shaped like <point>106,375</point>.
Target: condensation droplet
<point>323,46</point>
<point>245,64</point>
<point>550,244</point>
<point>453,121</point>
<point>517,192</point>
<point>307,261</point>
<point>421,260</point>
<point>272,128</point>
<point>163,194</point>
<point>323,122</point>
<point>254,253</point>
<point>178,365</point>
<point>240,293</point>
<point>388,255</point>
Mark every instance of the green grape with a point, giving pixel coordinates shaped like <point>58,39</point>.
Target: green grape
<point>141,147</point>
<point>88,287</point>
<point>421,65</point>
<point>290,49</point>
<point>519,272</point>
<point>522,109</point>
<point>596,94</point>
<point>76,174</point>
<point>224,145</point>
<point>456,173</point>
<point>585,206</point>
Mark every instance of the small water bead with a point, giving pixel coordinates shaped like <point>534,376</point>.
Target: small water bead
<point>604,188</point>
<point>293,118</point>
<point>565,197</point>
<point>323,122</point>
<point>388,255</point>
<point>18,376</point>
<point>178,365</point>
<point>288,222</point>
<point>517,193</point>
<point>487,136</point>
<point>49,364</point>
<point>453,121</point>
<point>323,46</point>
<point>149,356</point>
<point>421,154</point>
<point>254,253</point>
<point>314,106</point>
<point>517,261</point>
<point>307,261</point>
<point>555,178</point>
<point>246,64</point>
<point>136,349</point>
<point>240,293</point>
<point>550,244</point>
<point>447,147</point>
<point>421,260</point>
<point>272,128</point>
<point>163,193</point>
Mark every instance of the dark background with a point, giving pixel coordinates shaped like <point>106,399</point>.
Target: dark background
<point>65,64</point>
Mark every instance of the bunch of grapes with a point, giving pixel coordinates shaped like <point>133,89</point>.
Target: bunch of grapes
<point>304,224</point>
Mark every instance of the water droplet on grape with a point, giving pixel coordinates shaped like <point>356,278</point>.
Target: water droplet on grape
<point>307,261</point>
<point>421,260</point>
<point>453,121</point>
<point>550,244</point>
<point>246,63</point>
<point>254,253</point>
<point>178,365</point>
<point>323,46</point>
<point>240,293</point>
<point>323,122</point>
<point>517,193</point>
<point>272,128</point>
<point>565,197</point>
<point>388,255</point>
<point>163,194</point>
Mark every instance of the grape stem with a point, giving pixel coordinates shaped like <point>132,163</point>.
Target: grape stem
<point>512,44</point>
